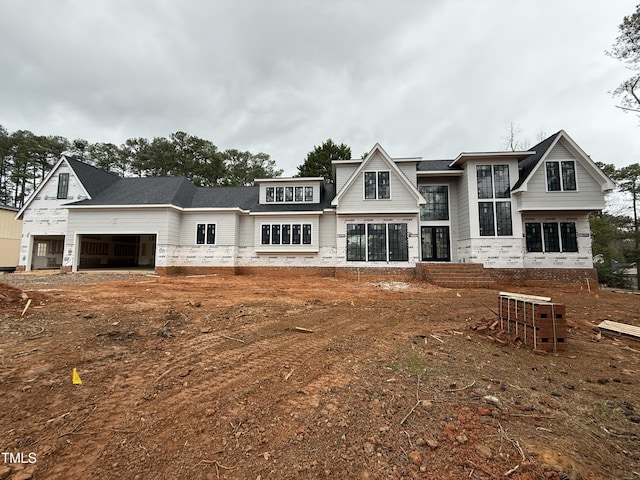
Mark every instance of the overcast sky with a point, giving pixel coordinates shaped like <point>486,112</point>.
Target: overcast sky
<point>422,78</point>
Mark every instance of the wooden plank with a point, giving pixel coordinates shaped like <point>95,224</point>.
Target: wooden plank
<point>620,328</point>
<point>522,296</point>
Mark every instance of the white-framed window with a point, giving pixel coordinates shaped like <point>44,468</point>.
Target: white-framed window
<point>205,234</point>
<point>561,176</point>
<point>285,234</point>
<point>377,185</point>
<point>289,194</point>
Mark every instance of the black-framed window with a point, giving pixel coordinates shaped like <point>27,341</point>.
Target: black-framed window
<point>377,242</point>
<point>568,175</point>
<point>63,185</point>
<point>356,242</point>
<point>550,233</point>
<point>485,182</point>
<point>286,234</point>
<point>502,186</point>
<point>569,236</point>
<point>308,194</point>
<point>398,242</point>
<point>551,237</point>
<point>206,233</point>
<point>486,219</point>
<point>377,185</point>
<point>437,206</point>
<point>503,219</point>
<point>288,194</point>
<point>533,237</point>
<point>561,176</point>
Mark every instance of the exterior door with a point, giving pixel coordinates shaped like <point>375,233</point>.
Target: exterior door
<point>435,244</point>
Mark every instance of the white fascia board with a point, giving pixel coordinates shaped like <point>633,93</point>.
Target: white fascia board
<point>560,208</point>
<point>289,214</point>
<point>440,173</point>
<point>288,179</point>
<point>490,155</point>
<point>378,214</point>
<point>154,206</point>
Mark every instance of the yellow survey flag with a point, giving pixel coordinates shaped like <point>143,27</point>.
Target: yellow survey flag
<point>75,378</point>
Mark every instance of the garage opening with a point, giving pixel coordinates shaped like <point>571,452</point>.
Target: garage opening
<point>117,251</point>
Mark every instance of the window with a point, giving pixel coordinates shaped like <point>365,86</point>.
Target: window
<point>485,185</point>
<point>437,206</point>
<point>356,246</point>
<point>377,186</point>
<point>561,176</point>
<point>206,233</point>
<point>487,228</point>
<point>503,218</point>
<point>286,234</point>
<point>533,235</point>
<point>569,237</point>
<point>308,194</point>
<point>63,185</point>
<point>398,243</point>
<point>494,217</point>
<point>551,237</point>
<point>289,194</point>
<point>377,242</point>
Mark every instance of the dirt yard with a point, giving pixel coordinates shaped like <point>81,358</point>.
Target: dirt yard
<point>215,377</point>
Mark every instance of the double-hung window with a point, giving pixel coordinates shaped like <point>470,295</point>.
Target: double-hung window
<point>377,186</point>
<point>561,176</point>
<point>494,214</point>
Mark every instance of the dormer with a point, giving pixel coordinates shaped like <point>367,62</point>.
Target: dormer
<point>289,191</point>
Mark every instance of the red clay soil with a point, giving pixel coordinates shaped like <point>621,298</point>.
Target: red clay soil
<point>252,377</point>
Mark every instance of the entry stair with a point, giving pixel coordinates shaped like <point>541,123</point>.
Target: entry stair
<point>456,275</point>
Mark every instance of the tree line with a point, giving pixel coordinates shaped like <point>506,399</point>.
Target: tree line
<point>26,159</point>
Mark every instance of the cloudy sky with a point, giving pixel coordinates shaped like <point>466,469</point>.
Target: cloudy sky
<point>422,78</point>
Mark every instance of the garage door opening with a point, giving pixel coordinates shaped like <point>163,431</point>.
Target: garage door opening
<point>117,251</point>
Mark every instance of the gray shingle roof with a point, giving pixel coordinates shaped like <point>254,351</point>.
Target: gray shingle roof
<point>181,192</point>
<point>94,179</point>
<point>526,165</point>
<point>435,166</point>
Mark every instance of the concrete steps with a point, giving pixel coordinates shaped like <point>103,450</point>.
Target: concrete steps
<point>456,275</point>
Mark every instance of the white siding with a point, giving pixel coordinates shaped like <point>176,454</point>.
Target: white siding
<point>409,170</point>
<point>45,215</point>
<point>402,200</point>
<point>226,225</point>
<point>588,196</point>
<point>327,225</point>
<point>343,173</point>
